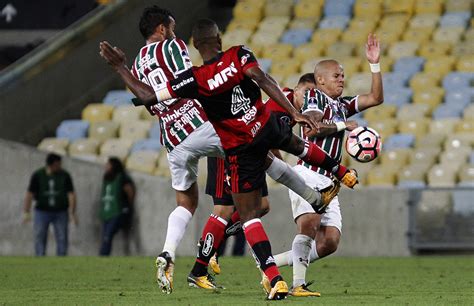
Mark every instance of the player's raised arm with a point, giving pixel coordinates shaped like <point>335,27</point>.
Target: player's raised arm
<point>375,97</point>
<point>117,60</point>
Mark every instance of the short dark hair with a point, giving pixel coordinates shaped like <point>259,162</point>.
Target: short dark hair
<point>205,28</point>
<point>307,78</point>
<point>152,17</point>
<point>52,158</point>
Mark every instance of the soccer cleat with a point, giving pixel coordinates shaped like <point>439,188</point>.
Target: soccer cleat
<point>304,291</point>
<point>350,178</point>
<point>267,287</point>
<point>214,264</point>
<point>204,282</point>
<point>279,291</point>
<point>164,272</point>
<point>327,194</point>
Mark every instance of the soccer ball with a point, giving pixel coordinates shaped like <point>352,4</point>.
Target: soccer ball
<point>363,144</point>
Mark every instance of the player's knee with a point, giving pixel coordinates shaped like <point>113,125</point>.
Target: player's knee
<point>223,211</point>
<point>329,245</point>
<point>307,225</point>
<point>265,208</point>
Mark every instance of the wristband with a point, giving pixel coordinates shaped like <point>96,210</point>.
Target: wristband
<point>374,68</point>
<point>341,126</point>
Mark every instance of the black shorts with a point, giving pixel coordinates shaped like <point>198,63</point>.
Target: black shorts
<point>247,162</point>
<point>218,182</point>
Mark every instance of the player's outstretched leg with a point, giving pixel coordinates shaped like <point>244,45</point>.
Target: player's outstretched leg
<point>314,155</point>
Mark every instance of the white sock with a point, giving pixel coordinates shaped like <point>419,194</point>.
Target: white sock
<point>300,249</point>
<point>177,222</point>
<point>286,258</point>
<point>286,175</point>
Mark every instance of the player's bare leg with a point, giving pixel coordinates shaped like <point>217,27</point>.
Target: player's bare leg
<point>248,205</point>
<point>327,241</point>
<point>178,221</point>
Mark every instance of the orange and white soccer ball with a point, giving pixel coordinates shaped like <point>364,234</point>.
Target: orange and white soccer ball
<point>363,144</point>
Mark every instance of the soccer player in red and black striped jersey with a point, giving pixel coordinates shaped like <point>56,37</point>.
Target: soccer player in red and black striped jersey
<point>228,88</point>
<point>186,134</point>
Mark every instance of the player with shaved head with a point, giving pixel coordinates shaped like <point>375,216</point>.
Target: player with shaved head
<point>319,234</point>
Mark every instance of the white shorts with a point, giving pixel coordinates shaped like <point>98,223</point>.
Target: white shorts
<point>184,158</point>
<point>299,206</point>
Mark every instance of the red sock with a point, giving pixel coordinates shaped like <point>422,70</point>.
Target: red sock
<point>258,241</point>
<point>212,237</point>
<point>235,217</point>
<point>314,155</point>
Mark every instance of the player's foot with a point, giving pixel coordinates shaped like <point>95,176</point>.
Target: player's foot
<point>267,287</point>
<point>304,291</point>
<point>214,264</point>
<point>204,282</point>
<point>164,272</point>
<point>350,178</point>
<point>279,291</point>
<point>327,194</point>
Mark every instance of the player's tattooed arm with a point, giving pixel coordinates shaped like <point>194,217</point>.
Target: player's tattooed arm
<point>271,88</point>
<point>326,129</point>
<point>372,53</point>
<point>117,60</point>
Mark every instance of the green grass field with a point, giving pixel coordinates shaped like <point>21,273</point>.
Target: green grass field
<point>130,281</point>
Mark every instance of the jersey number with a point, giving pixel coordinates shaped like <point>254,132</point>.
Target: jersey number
<point>239,101</point>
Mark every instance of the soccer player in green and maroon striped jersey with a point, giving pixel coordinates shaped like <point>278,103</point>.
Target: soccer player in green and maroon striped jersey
<point>318,234</point>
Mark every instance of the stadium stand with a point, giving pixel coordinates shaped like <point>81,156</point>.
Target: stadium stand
<point>428,69</point>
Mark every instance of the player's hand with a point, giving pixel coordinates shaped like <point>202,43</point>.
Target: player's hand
<point>351,125</point>
<point>372,49</point>
<point>73,219</point>
<point>26,218</point>
<point>307,121</point>
<point>112,55</point>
